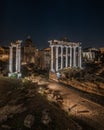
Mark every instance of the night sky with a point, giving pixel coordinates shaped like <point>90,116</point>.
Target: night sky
<point>43,20</point>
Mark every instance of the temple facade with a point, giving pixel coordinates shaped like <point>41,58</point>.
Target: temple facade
<point>65,54</point>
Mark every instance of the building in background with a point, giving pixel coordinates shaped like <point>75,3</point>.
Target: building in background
<point>30,52</point>
<point>4,53</point>
<point>44,59</point>
<point>90,55</point>
<point>101,57</point>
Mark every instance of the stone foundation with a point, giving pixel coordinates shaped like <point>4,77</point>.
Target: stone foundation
<point>53,76</point>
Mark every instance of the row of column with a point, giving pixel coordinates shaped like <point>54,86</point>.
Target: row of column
<point>18,58</point>
<point>73,57</point>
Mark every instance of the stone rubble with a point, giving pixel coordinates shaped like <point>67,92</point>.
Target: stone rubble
<point>29,121</point>
<point>46,119</point>
<point>6,127</point>
<point>8,110</point>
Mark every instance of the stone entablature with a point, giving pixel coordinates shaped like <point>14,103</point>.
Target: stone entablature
<point>65,54</point>
<point>64,43</point>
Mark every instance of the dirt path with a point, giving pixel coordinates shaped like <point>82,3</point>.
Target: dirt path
<point>81,109</point>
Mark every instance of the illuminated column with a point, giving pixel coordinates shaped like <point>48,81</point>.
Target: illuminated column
<point>80,58</point>
<point>61,57</point>
<point>66,56</point>
<point>11,60</point>
<point>19,58</point>
<point>52,58</point>
<point>70,56</point>
<point>16,58</point>
<point>74,56</point>
<point>17,62</point>
<point>56,58</point>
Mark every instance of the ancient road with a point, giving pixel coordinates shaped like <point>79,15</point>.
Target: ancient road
<point>88,113</point>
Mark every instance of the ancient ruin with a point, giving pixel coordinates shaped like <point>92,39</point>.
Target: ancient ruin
<point>65,54</point>
<point>15,59</point>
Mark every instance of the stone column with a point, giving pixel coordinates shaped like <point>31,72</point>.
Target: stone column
<point>52,58</point>
<point>56,58</point>
<point>70,56</point>
<point>16,58</point>
<point>19,58</point>
<point>11,60</point>
<point>16,45</point>
<point>74,56</point>
<point>80,57</point>
<point>66,56</point>
<point>61,57</point>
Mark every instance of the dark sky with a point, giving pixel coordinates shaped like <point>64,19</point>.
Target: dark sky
<point>79,20</point>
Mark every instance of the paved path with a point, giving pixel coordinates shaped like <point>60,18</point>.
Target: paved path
<point>80,108</point>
